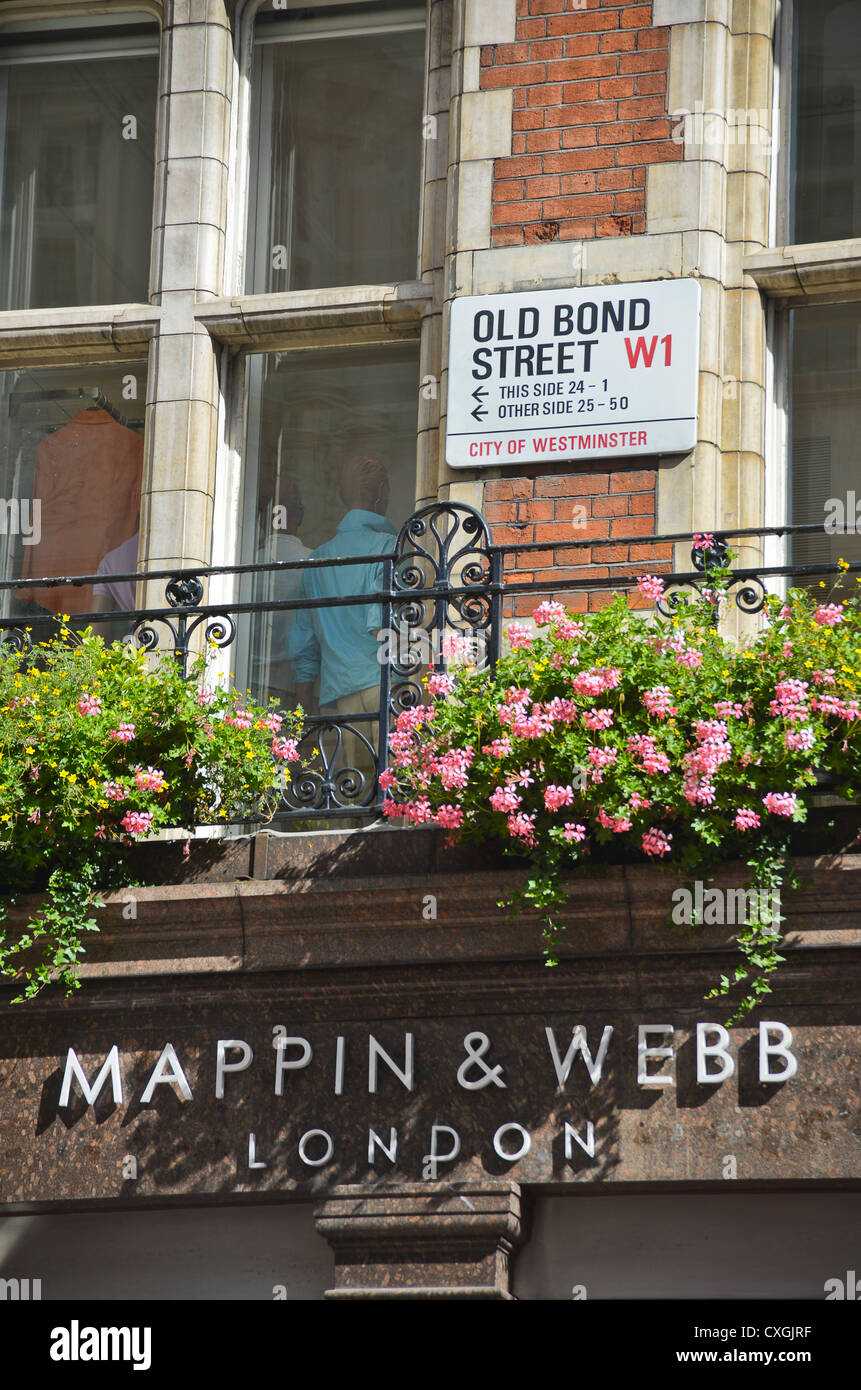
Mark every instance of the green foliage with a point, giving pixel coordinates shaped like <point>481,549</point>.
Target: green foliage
<point>101,745</point>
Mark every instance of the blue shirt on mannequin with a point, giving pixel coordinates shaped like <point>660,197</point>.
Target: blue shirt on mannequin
<point>340,644</point>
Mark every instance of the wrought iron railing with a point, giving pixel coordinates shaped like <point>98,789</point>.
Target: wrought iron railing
<point>442,589</point>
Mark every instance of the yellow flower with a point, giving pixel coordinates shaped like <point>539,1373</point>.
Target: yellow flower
<point>843,564</point>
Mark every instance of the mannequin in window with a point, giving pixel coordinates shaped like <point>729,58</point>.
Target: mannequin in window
<point>341,645</point>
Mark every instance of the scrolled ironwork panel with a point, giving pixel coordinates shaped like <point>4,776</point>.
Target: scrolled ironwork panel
<point>444,547</point>
<point>14,638</point>
<point>330,777</point>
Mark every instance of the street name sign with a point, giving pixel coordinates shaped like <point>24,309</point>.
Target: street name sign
<point>539,376</point>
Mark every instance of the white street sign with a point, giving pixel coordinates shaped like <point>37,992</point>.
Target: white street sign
<point>543,376</point>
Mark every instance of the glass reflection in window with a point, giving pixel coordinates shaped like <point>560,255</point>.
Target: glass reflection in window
<point>826,409</point>
<point>71,460</point>
<point>77,123</point>
<point>827,201</point>
<point>330,470</point>
<point>337,137</point>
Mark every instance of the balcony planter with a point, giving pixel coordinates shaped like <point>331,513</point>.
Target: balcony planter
<point>661,735</point>
<point>99,747</point>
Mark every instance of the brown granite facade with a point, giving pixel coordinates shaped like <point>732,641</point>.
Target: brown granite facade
<point>444,1045</point>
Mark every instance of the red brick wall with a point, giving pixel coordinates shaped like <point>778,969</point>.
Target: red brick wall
<point>590,113</point>
<point>539,505</point>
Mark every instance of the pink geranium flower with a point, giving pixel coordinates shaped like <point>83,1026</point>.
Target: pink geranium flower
<point>89,704</point>
<point>285,749</point>
<point>554,797</point>
<point>440,684</point>
<point>651,587</point>
<point>151,780</point>
<point>598,718</point>
<point>137,822</point>
<point>800,740</point>
<point>656,842</point>
<point>548,612</point>
<point>499,748</point>
<point>518,636</point>
<point>828,615</point>
<point>659,701</point>
<point>572,831</point>
<point>522,827</point>
<point>780,803</point>
<point>691,658</point>
<point>240,719</point>
<point>505,799</point>
<point>745,819</point>
<point>124,734</point>
<point>566,630</point>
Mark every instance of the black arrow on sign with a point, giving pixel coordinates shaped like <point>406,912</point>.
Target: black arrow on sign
<point>478,395</point>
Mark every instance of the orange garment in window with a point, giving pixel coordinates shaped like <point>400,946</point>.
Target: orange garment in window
<point>88,481</point>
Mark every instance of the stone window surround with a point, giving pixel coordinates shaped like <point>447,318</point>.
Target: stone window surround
<point>198,329</point>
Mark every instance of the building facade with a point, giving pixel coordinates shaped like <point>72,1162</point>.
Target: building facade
<point>232,240</point>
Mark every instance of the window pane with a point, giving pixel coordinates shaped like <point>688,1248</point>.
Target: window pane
<point>826,411</point>
<point>338,127</point>
<point>71,455</point>
<point>828,121</point>
<point>76,171</point>
<point>309,416</point>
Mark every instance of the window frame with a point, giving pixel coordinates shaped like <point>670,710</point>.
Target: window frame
<point>244,325</point>
<point>790,276</point>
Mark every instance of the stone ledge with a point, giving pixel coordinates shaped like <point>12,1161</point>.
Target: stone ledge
<point>33,337</point>
<point>356,900</point>
<point>820,273</point>
<point>357,313</point>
